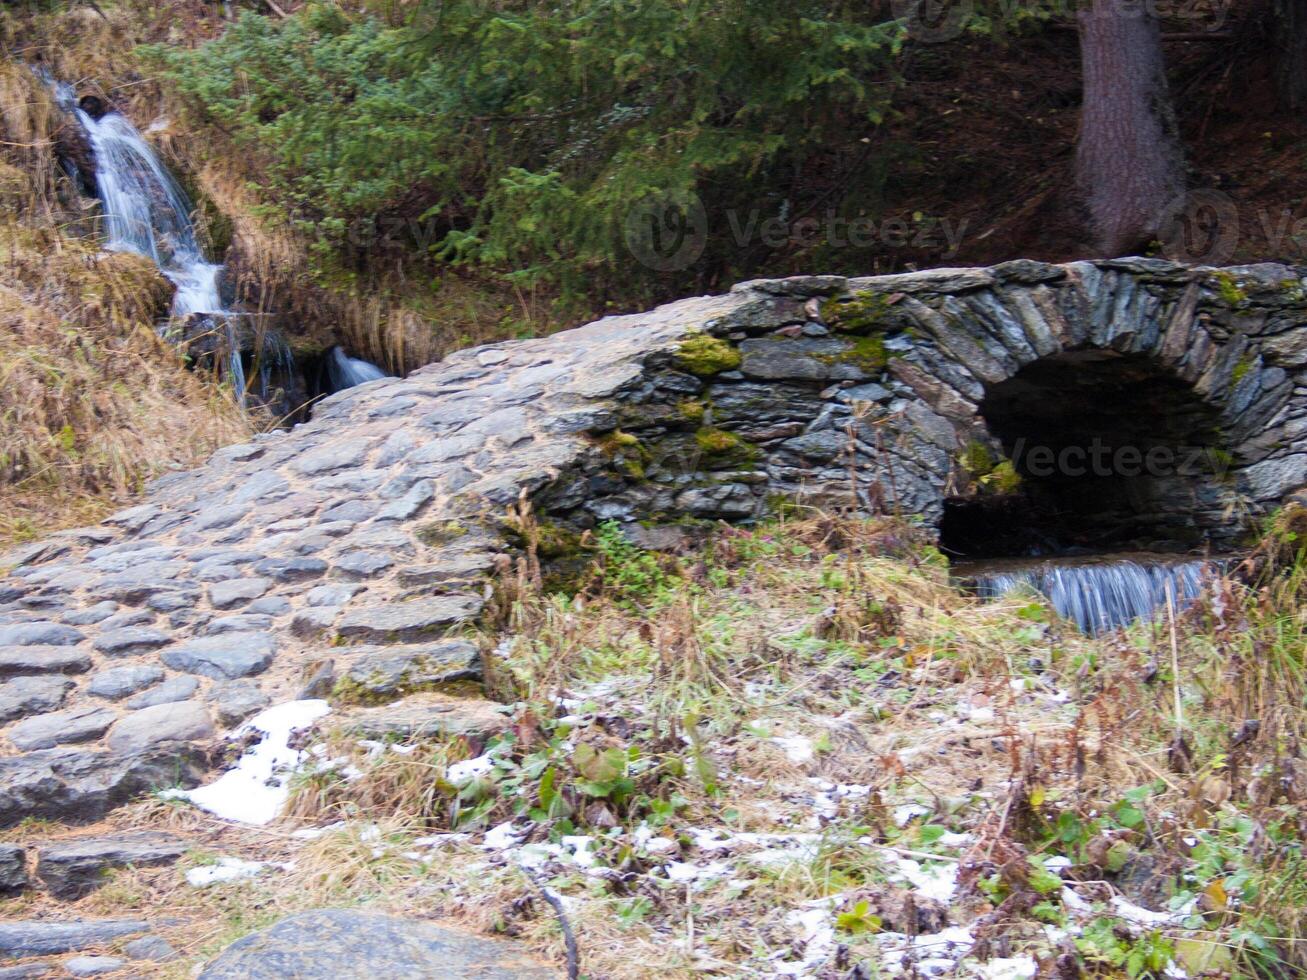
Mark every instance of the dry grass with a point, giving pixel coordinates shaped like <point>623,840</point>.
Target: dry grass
<point>92,402</point>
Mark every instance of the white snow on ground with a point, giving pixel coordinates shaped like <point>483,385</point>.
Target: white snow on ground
<point>939,882</point>
<point>462,773</point>
<point>228,869</point>
<point>1007,968</point>
<point>798,748</point>
<point>256,790</point>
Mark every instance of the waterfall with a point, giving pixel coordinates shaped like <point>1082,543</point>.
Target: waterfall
<point>1098,594</point>
<point>344,371</point>
<point>147,212</point>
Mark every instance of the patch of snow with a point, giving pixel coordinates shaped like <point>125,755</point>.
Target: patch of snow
<point>462,773</point>
<point>903,814</point>
<point>1141,916</point>
<point>227,869</point>
<point>688,871</point>
<point>1007,968</point>
<point>798,748</point>
<point>503,836</point>
<point>256,789</point>
<point>939,882</point>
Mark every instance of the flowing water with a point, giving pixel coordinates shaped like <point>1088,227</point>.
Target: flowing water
<point>147,212</point>
<point>1097,593</point>
<point>344,371</point>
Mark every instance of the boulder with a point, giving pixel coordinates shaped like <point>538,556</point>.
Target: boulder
<point>80,724</point>
<point>13,869</point>
<point>223,657</point>
<point>332,944</point>
<point>73,868</point>
<point>408,620</point>
<point>172,690</point>
<point>119,682</point>
<point>24,696</point>
<point>27,938</point>
<point>180,721</point>
<point>388,672</point>
<point>17,661</point>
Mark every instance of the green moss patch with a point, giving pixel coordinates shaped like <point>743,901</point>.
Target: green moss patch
<point>703,355</point>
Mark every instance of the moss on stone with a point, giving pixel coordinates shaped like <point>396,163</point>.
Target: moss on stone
<point>716,442</point>
<point>1003,478</point>
<point>442,533</point>
<point>692,410</point>
<point>703,355</point>
<point>1242,367</point>
<point>1228,288</point>
<point>977,460</point>
<point>868,353</point>
<point>626,451</point>
<point>862,312</point>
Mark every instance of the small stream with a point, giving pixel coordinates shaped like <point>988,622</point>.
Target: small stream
<point>147,212</point>
<point>1098,593</point>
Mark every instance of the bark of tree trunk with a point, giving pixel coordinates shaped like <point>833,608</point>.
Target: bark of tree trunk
<point>1291,35</point>
<point>1129,163</point>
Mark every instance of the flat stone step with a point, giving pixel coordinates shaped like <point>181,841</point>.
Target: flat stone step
<point>76,867</point>
<point>417,619</point>
<point>335,943</point>
<point>42,938</point>
<point>425,716</point>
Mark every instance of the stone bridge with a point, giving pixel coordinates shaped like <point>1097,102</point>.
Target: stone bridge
<point>349,556</point>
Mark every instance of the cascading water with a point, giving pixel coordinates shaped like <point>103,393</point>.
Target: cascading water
<point>344,371</point>
<point>1098,594</point>
<point>146,212</point>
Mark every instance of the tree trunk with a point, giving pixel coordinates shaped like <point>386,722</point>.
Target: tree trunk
<point>1129,164</point>
<point>1290,33</point>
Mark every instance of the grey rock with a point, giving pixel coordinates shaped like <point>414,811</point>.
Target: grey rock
<point>31,695</point>
<point>18,938</point>
<point>334,456</point>
<point>271,605</point>
<point>170,691</point>
<point>79,785</point>
<point>25,971</point>
<point>80,724</point>
<point>313,621</point>
<point>39,633</point>
<point>291,569</point>
<point>350,510</point>
<point>408,620</point>
<point>130,641</point>
<point>223,657</point>
<point>171,600</point>
<point>237,700</point>
<point>245,623</point>
<point>384,672</point>
<point>93,966</point>
<point>410,504</point>
<point>137,617</point>
<point>153,948</point>
<point>408,719</point>
<point>17,661</point>
<point>73,868</point>
<point>363,564</point>
<point>215,518</point>
<point>181,721</point>
<point>119,682</point>
<point>332,944</point>
<point>821,446</point>
<point>13,869</point>
<point>334,594</point>
<point>90,615</point>
<point>236,592</point>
